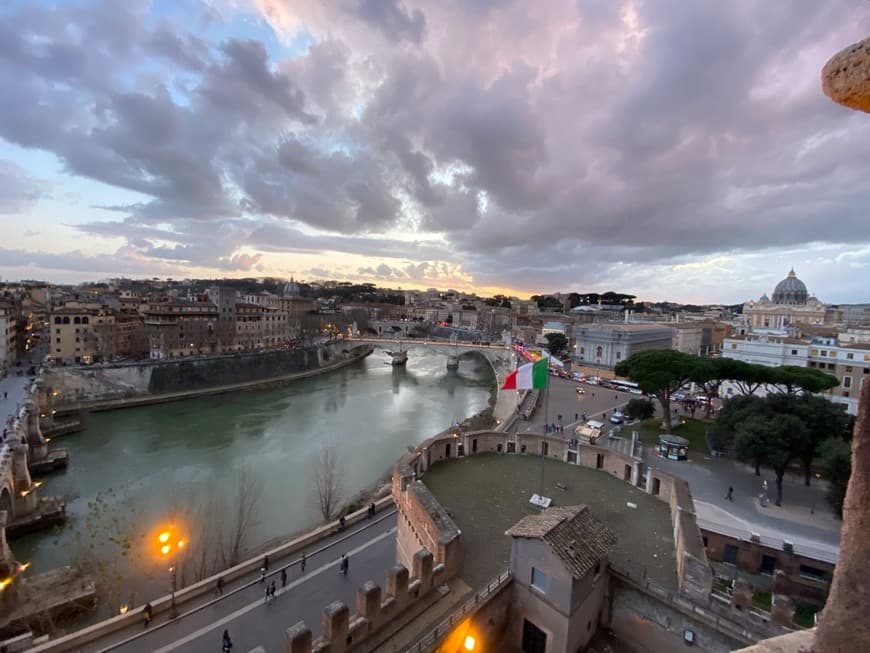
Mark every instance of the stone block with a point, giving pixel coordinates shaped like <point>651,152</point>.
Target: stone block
<point>846,76</point>
<point>297,639</point>
<point>422,568</point>
<point>368,601</point>
<point>397,584</point>
<point>741,595</point>
<point>336,617</point>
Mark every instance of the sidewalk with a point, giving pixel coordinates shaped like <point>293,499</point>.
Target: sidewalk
<point>203,609</point>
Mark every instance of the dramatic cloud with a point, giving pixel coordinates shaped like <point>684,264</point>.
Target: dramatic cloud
<point>573,144</point>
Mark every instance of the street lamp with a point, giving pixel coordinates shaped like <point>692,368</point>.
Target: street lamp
<point>170,542</point>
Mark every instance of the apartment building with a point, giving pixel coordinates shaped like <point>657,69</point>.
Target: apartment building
<point>177,328</point>
<point>81,334</point>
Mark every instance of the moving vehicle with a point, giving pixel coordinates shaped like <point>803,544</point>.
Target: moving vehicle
<point>580,391</point>
<point>624,386</point>
<point>618,417</point>
<point>589,432</point>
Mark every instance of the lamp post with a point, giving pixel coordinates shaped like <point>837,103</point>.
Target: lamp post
<point>171,542</point>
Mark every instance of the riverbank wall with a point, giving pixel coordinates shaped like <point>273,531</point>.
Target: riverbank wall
<point>67,390</point>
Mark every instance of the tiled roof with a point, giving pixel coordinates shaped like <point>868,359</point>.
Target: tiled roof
<point>573,534</point>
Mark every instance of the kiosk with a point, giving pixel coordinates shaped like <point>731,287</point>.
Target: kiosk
<point>673,447</point>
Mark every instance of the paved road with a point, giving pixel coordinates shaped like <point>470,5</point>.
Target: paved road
<point>251,622</point>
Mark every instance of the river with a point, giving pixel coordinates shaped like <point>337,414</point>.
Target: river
<point>148,460</point>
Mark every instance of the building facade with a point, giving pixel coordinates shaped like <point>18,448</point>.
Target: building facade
<point>604,345</point>
<point>81,334</point>
<point>178,328</point>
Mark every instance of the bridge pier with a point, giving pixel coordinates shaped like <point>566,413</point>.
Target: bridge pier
<point>398,357</point>
<point>453,362</point>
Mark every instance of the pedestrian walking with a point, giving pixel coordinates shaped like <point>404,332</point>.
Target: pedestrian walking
<point>262,574</point>
<point>227,643</point>
<point>341,564</point>
<point>272,590</point>
<point>302,564</point>
<point>341,523</point>
<point>146,614</point>
<point>576,415</point>
<point>730,495</point>
<point>220,586</point>
<point>267,595</point>
<point>283,577</point>
<point>346,564</point>
<point>374,509</point>
<point>266,562</point>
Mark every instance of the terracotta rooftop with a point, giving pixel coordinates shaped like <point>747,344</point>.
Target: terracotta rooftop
<point>573,533</point>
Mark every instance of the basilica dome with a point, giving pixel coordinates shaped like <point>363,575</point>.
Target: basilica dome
<point>291,288</point>
<point>791,291</point>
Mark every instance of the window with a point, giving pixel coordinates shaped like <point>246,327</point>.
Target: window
<point>832,366</point>
<point>813,573</point>
<point>66,320</point>
<point>57,340</point>
<point>539,580</point>
<point>850,357</point>
<point>77,320</point>
<point>847,381</point>
<point>824,352</point>
<point>57,331</point>
<point>811,363</point>
<point>57,320</point>
<point>733,345</point>
<point>618,355</point>
<point>848,368</point>
<point>794,352</point>
<point>85,320</point>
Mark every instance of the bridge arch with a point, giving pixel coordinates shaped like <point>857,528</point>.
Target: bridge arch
<point>7,504</point>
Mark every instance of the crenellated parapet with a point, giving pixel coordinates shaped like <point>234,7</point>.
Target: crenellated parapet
<point>375,608</point>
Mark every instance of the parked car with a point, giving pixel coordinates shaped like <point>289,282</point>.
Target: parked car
<point>618,417</point>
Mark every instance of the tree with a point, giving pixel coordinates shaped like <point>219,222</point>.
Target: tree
<point>794,380</point>
<point>836,458</point>
<point>822,419</point>
<point>708,375</point>
<point>734,412</point>
<point>772,439</point>
<point>659,372</point>
<point>249,490</point>
<point>747,377</point>
<point>640,409</point>
<point>327,482</point>
<point>557,343</point>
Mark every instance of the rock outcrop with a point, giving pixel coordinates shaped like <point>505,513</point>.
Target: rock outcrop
<point>846,77</point>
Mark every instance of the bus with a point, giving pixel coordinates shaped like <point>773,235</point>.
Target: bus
<point>625,386</point>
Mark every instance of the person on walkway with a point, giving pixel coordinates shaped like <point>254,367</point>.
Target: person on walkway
<point>147,614</point>
<point>283,577</point>
<point>730,495</point>
<point>576,416</point>
<point>266,562</point>
<point>227,643</point>
<point>346,564</point>
<point>262,574</point>
<point>302,564</point>
<point>373,509</point>
<point>341,523</point>
<point>220,586</point>
<point>267,595</point>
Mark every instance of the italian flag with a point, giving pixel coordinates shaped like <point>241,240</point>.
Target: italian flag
<point>531,376</point>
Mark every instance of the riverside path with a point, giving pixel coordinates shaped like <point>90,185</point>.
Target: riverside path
<point>371,547</point>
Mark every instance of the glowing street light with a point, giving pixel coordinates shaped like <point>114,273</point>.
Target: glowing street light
<point>470,643</point>
<point>170,543</point>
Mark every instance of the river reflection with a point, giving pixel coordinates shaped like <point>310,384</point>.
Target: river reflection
<point>154,456</point>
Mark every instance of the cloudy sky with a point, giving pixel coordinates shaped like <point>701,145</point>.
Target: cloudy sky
<point>677,150</point>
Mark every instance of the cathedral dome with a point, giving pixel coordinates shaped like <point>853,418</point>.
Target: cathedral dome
<point>291,288</point>
<point>790,290</point>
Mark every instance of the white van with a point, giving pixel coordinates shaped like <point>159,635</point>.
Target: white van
<point>589,432</point>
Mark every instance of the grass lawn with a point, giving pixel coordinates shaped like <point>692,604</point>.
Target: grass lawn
<point>692,429</point>
<point>804,614</point>
<point>762,600</point>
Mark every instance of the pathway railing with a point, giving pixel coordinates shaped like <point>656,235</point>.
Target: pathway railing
<point>636,576</point>
<point>430,640</point>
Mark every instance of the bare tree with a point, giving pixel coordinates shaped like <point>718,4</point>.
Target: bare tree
<point>327,481</point>
<point>249,490</point>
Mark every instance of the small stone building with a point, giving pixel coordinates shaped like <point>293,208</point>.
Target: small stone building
<point>559,564</point>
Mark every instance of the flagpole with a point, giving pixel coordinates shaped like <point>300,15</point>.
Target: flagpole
<point>546,425</point>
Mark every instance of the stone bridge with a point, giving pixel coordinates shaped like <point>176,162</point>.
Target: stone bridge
<point>502,359</point>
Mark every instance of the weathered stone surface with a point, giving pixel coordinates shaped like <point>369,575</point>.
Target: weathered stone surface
<point>845,622</point>
<point>846,77</point>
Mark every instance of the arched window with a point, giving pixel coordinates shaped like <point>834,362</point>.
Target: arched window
<point>77,320</point>
<point>57,320</point>
<point>84,320</point>
<point>599,351</point>
<point>66,320</point>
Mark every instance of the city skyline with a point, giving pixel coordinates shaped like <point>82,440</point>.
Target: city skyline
<point>675,152</point>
